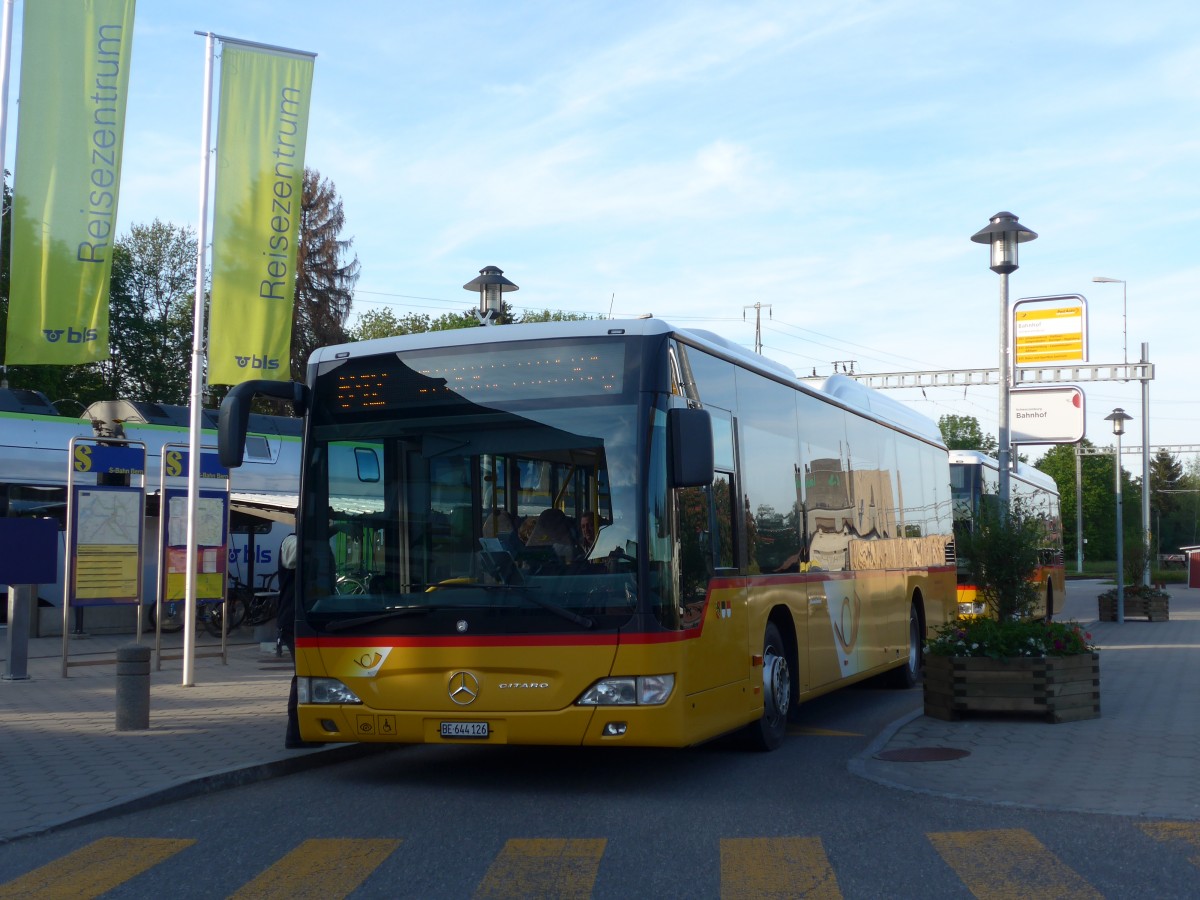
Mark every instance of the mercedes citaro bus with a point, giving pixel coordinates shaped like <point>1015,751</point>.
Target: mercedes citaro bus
<point>601,533</point>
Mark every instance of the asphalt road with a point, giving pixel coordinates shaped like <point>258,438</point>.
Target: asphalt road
<point>717,821</point>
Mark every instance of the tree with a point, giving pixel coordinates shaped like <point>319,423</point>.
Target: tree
<point>547,315</point>
<point>1001,553</point>
<point>1175,502</point>
<point>150,314</point>
<point>964,433</point>
<point>378,323</point>
<point>324,282</point>
<point>1099,500</point>
<point>1165,474</point>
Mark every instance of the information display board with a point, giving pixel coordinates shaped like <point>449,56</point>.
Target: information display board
<point>1048,330</point>
<point>106,544</point>
<point>212,539</point>
<point>212,527</point>
<point>106,507</point>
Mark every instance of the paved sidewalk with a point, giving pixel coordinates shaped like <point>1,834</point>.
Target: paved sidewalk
<point>62,759</point>
<point>1140,758</point>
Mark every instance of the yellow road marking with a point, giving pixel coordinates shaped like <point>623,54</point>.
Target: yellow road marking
<point>761,868</point>
<point>93,870</point>
<point>1166,832</point>
<point>543,868</point>
<point>320,869</point>
<point>1009,864</point>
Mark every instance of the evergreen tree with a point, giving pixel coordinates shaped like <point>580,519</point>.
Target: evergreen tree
<point>1165,474</point>
<point>324,280</point>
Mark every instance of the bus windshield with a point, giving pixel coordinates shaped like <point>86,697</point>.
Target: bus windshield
<point>495,481</point>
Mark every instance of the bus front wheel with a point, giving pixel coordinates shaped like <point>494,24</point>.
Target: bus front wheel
<point>907,675</point>
<point>767,733</point>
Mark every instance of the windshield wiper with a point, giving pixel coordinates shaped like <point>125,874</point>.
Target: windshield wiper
<point>343,624</point>
<point>545,604</point>
<point>526,592</point>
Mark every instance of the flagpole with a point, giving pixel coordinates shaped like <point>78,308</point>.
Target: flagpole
<point>5,62</point>
<point>194,436</point>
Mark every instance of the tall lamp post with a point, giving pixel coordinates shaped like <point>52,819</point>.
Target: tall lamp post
<point>1004,233</point>
<point>1146,534</point>
<point>1118,417</point>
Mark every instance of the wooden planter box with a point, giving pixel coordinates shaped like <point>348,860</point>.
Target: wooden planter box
<point>1156,609</point>
<point>1058,688</point>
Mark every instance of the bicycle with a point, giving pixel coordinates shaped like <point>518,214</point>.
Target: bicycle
<point>243,604</point>
<point>261,606</point>
<point>208,615</point>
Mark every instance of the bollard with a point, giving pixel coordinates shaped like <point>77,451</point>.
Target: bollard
<point>133,687</point>
<point>21,598</point>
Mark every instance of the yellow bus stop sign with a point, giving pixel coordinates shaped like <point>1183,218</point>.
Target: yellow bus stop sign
<point>1049,330</point>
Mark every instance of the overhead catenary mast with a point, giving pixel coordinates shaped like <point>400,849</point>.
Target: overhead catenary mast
<point>758,308</point>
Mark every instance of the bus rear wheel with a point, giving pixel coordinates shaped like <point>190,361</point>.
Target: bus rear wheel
<point>768,732</point>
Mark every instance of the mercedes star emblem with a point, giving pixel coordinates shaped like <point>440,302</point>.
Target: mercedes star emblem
<point>464,688</point>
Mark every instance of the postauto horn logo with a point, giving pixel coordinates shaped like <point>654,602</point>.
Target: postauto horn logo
<point>82,336</point>
<point>256,362</point>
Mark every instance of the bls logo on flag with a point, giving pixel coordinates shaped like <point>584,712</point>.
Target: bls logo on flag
<point>256,362</point>
<point>724,609</point>
<point>54,335</point>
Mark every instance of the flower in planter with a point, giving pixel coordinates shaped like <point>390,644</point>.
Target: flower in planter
<point>1009,638</point>
<point>1136,592</point>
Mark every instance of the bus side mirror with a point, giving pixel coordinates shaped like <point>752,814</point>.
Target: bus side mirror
<point>234,417</point>
<point>690,441</point>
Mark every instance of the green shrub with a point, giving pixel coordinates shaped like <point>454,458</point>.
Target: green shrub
<point>1001,555</point>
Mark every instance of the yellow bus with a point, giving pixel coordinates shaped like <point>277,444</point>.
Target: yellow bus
<point>601,533</point>
<point>975,483</point>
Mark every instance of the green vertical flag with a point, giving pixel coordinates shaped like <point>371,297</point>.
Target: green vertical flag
<point>74,79</point>
<point>261,131</point>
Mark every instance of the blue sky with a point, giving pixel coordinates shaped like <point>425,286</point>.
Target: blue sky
<point>688,159</point>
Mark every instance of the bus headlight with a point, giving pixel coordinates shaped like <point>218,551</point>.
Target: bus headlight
<point>324,690</point>
<point>644,690</point>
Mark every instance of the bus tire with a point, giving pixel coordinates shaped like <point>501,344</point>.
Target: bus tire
<point>909,674</point>
<point>768,732</point>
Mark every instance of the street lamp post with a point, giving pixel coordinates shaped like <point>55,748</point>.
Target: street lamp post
<point>490,284</point>
<point>1146,534</point>
<point>1118,417</point>
<point>1004,233</point>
